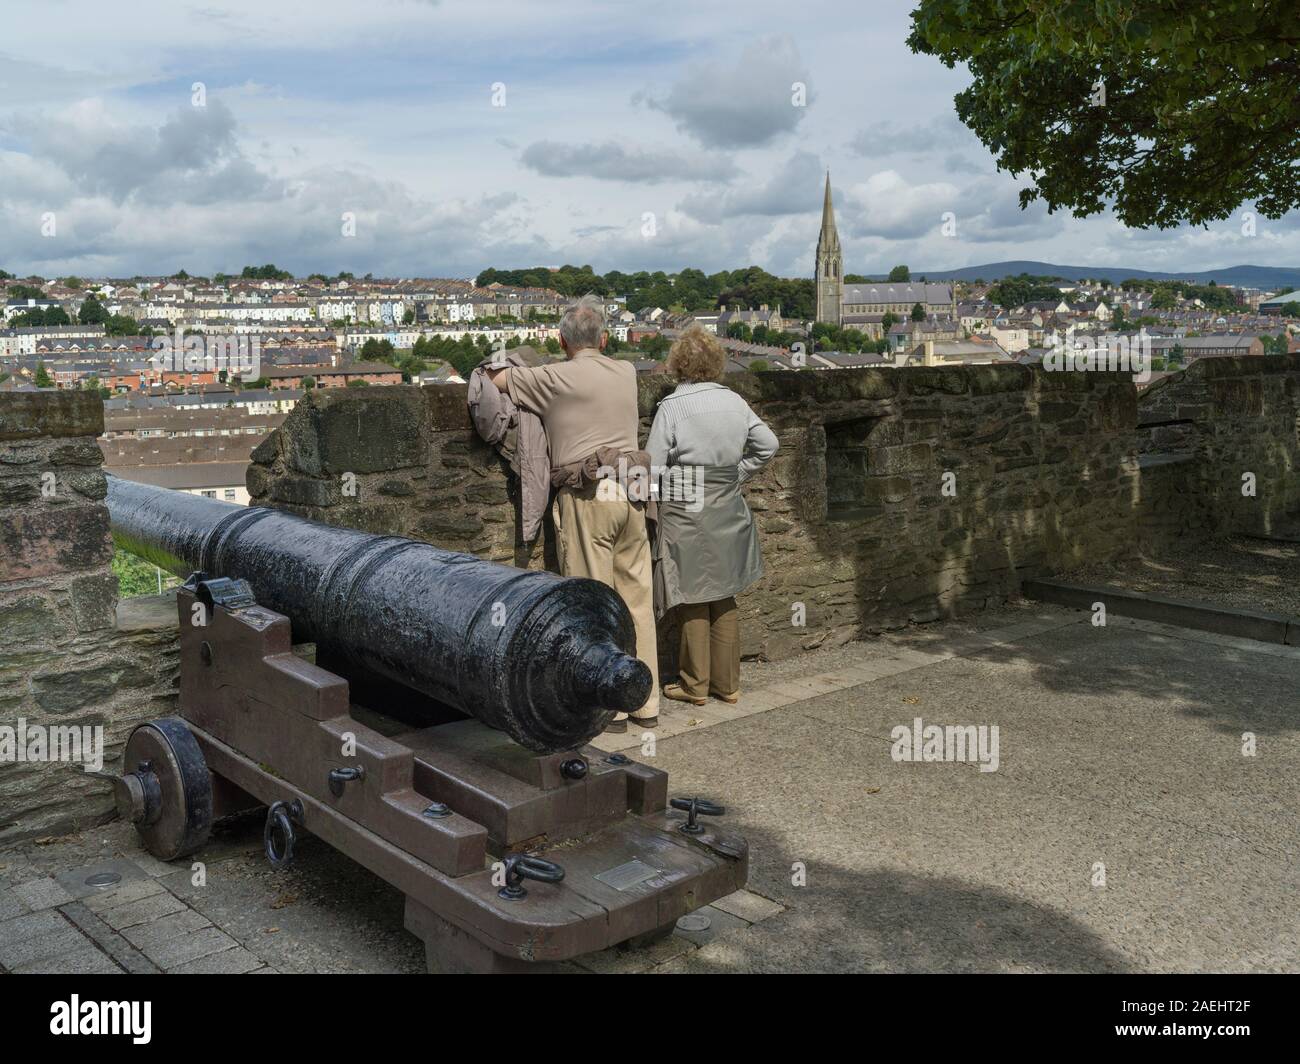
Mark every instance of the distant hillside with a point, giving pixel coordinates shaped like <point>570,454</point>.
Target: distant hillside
<point>1271,277</point>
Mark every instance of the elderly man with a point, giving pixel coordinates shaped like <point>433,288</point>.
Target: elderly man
<point>588,406</point>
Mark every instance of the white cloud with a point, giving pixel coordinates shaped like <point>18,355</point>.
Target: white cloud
<point>744,105</point>
<point>615,162</point>
<point>191,157</point>
<point>887,205</point>
<point>790,189</point>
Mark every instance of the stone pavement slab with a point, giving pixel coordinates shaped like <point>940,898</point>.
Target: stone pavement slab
<point>82,959</point>
<point>124,955</point>
<point>11,904</point>
<point>127,892</point>
<point>43,893</point>
<point>100,878</point>
<point>156,935</point>
<point>233,960</point>
<point>175,951</point>
<point>142,911</point>
<point>749,906</point>
<point>26,939</point>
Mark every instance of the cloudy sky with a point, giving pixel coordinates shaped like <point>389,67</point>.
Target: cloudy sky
<point>457,135</point>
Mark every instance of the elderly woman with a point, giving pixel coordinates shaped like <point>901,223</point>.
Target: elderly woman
<point>705,442</point>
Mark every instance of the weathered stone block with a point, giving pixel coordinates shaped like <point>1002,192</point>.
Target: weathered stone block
<point>448,523</point>
<point>258,481</point>
<point>59,414</point>
<point>448,407</point>
<point>20,454</point>
<point>15,490</point>
<point>381,518</point>
<point>344,432</point>
<point>46,540</point>
<point>304,491</point>
<point>77,688</point>
<point>77,453</point>
<point>88,483</point>
<point>491,491</point>
<point>1050,413</point>
<point>858,384</point>
<point>886,489</point>
<point>990,380</point>
<point>906,458</point>
<point>94,601</point>
<point>927,380</point>
<point>266,452</point>
<point>30,628</point>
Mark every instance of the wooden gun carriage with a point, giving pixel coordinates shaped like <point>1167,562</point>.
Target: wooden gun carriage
<point>515,843</point>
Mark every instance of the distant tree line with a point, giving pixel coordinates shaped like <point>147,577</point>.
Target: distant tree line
<point>92,312</point>
<point>1025,288</point>
<point>687,290</point>
<point>269,272</point>
<point>898,275</point>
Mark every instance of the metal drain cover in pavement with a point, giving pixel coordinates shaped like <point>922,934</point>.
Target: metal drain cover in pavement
<point>103,879</point>
<point>693,922</point>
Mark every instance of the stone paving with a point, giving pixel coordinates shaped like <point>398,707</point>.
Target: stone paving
<point>1121,751</point>
<point>154,918</point>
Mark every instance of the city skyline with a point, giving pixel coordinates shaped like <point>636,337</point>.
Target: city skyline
<point>448,143</point>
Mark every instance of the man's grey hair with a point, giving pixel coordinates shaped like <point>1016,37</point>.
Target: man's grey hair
<point>583,323</point>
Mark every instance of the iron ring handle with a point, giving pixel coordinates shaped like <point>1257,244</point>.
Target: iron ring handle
<point>279,819</point>
<point>525,867</point>
<point>520,867</point>
<point>339,777</point>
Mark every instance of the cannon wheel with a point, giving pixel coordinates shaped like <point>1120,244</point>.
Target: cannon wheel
<point>180,815</point>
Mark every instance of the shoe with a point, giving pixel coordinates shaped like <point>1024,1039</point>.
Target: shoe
<point>731,699</point>
<point>616,727</point>
<point>675,692</point>
<point>645,722</point>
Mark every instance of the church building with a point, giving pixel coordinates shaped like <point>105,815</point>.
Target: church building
<point>858,306</point>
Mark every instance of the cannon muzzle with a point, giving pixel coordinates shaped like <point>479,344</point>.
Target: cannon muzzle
<point>546,659</point>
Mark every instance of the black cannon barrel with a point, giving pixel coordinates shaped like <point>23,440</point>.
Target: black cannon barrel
<point>546,659</point>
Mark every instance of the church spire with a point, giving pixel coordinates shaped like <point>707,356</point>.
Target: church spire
<point>829,270</point>
<point>828,215</point>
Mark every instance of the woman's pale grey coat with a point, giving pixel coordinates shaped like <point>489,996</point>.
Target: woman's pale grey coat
<point>706,442</point>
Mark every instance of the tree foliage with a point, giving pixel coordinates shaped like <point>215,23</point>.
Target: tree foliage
<point>688,289</point>
<point>37,317</point>
<point>120,325</point>
<point>269,272</point>
<point>376,350</point>
<point>92,311</point>
<point>827,337</point>
<point>1023,288</point>
<point>1173,110</point>
<point>135,576</point>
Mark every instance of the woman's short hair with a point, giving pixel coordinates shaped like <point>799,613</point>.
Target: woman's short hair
<point>697,355</point>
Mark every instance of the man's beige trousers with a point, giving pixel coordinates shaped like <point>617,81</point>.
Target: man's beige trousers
<point>601,535</point>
